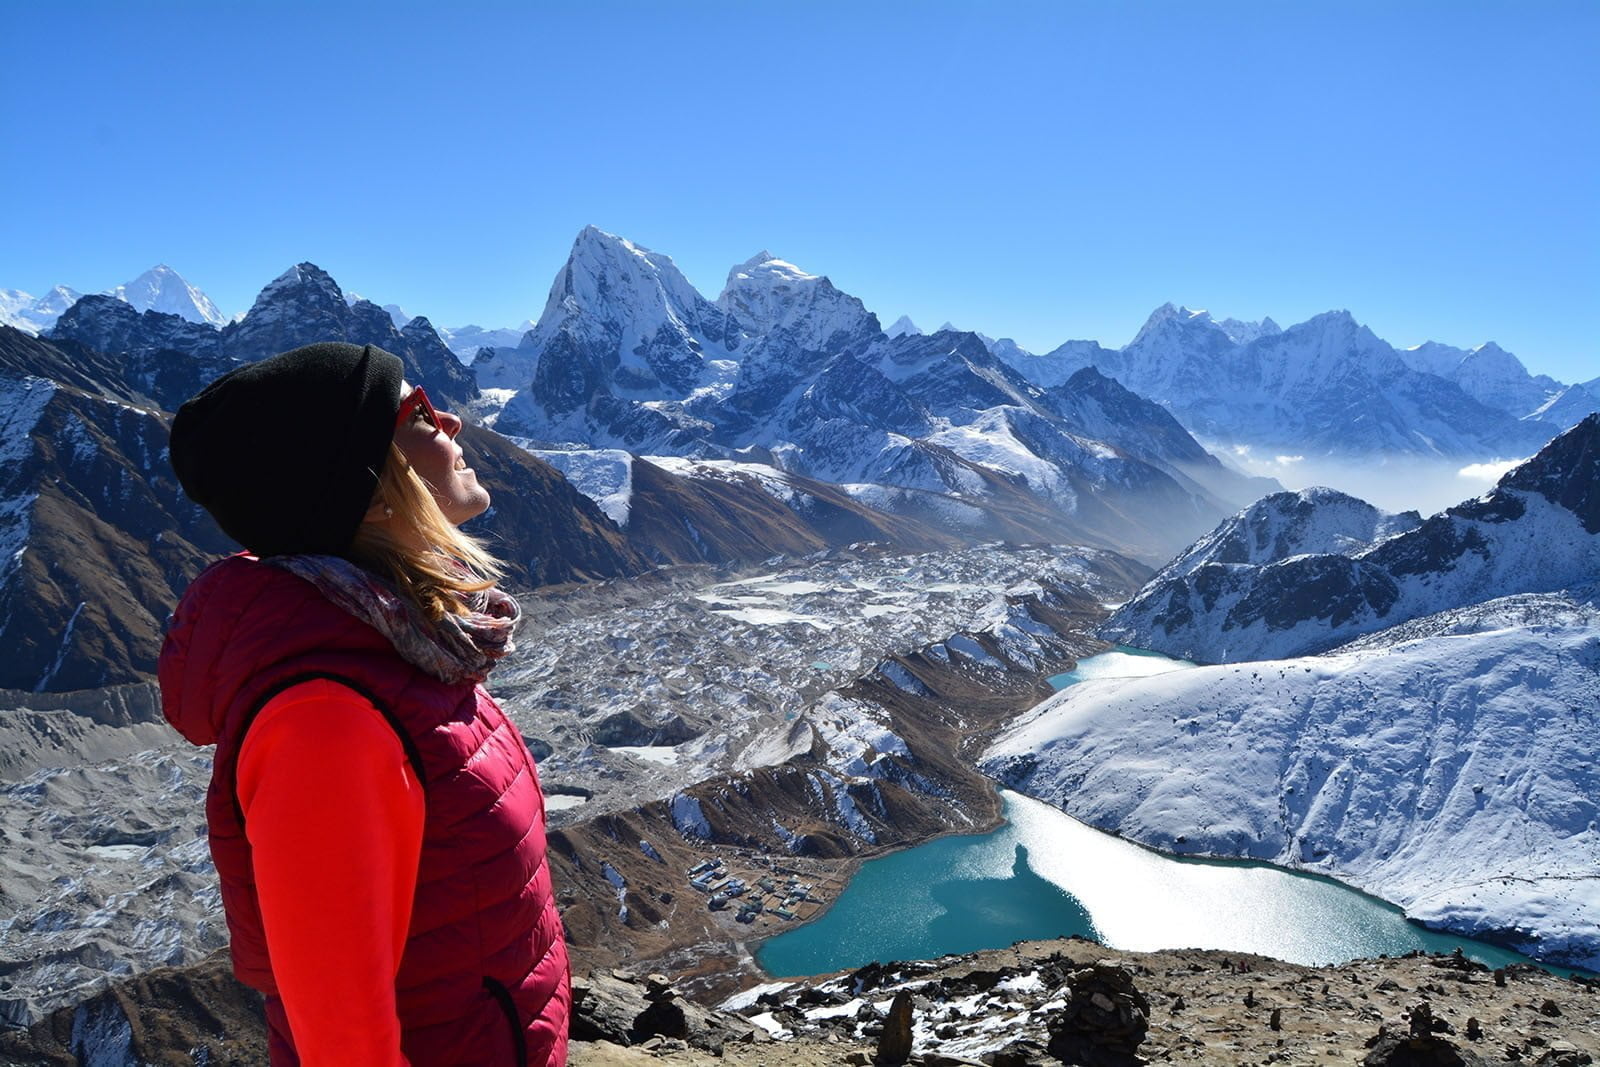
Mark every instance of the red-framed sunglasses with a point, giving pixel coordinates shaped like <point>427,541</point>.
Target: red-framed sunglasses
<point>417,398</point>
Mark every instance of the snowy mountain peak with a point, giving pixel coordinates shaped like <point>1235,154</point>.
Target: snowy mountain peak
<point>763,268</point>
<point>163,289</point>
<point>903,325</point>
<point>606,273</point>
<point>1172,316</point>
<point>299,275</point>
<point>1334,330</point>
<point>33,314</point>
<point>1242,333</point>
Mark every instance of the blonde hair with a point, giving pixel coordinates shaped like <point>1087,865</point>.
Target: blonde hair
<point>429,560</point>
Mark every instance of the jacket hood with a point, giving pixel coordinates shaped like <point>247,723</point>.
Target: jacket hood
<point>237,619</point>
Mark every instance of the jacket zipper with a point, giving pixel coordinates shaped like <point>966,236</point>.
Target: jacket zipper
<point>508,1008</point>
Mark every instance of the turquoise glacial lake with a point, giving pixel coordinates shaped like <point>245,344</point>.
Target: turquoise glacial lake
<point>1044,874</point>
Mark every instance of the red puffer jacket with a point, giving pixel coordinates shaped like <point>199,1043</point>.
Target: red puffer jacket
<point>483,978</point>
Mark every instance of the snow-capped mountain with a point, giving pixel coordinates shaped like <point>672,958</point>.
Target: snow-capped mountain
<point>163,289</point>
<point>1276,527</point>
<point>628,356</point>
<point>1242,333</point>
<point>1537,530</point>
<point>797,322</point>
<point>1569,406</point>
<point>902,325</point>
<point>620,320</point>
<point>1325,386</point>
<point>466,341</point>
<point>1489,374</point>
<point>1448,765</point>
<point>1059,364</point>
<point>1100,408</point>
<point>158,289</point>
<point>31,314</point>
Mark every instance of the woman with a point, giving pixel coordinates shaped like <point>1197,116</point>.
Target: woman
<point>375,819</point>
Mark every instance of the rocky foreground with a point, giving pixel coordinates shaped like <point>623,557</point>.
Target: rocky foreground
<point>1046,1002</point>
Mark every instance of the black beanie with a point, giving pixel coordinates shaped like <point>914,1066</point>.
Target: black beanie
<point>285,453</point>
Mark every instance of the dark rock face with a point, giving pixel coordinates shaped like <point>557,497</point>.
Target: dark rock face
<point>1105,1021</point>
<point>1100,407</point>
<point>107,324</point>
<point>568,374</point>
<point>957,375</point>
<point>305,305</point>
<point>163,357</point>
<point>1567,472</point>
<point>855,392</point>
<point>1438,543</point>
<point>1326,587</point>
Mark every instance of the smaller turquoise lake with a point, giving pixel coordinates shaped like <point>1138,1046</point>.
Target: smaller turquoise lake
<point>1044,874</point>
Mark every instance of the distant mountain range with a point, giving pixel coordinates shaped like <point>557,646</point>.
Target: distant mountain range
<point>1323,387</point>
<point>638,422</point>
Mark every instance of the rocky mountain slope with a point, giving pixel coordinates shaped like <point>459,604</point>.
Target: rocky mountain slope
<point>1538,529</point>
<point>97,541</point>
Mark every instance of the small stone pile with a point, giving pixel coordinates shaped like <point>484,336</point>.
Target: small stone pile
<point>1105,1019</point>
<point>1421,1046</point>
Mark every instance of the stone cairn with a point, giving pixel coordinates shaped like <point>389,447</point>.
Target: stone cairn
<point>1105,1020</point>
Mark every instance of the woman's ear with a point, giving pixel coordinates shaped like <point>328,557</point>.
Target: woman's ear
<point>378,511</point>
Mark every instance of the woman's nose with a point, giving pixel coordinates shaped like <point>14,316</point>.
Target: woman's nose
<point>449,424</point>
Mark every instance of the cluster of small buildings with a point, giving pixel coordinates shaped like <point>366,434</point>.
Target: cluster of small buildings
<point>711,877</point>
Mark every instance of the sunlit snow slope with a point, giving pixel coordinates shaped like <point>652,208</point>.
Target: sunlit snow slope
<point>1447,765</point>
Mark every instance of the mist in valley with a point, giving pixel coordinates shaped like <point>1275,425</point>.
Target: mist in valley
<point>1393,483</point>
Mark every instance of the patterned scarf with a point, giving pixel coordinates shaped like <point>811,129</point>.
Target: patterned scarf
<point>458,648</point>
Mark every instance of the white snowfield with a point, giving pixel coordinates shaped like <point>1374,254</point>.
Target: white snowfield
<point>1448,765</point>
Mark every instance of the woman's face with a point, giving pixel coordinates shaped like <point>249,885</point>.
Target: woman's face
<point>433,453</point>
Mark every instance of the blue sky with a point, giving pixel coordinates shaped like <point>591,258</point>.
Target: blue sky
<point>1043,171</point>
